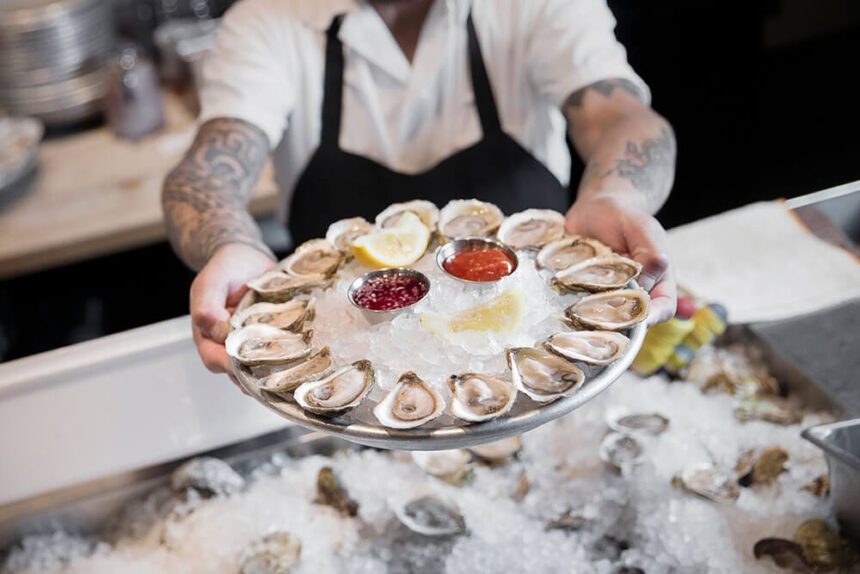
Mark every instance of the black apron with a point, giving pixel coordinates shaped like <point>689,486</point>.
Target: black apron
<point>337,184</point>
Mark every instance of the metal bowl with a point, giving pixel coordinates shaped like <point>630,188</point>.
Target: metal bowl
<point>375,317</point>
<point>457,246</point>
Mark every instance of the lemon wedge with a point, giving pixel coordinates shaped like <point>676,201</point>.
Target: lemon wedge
<point>397,246</point>
<point>501,315</point>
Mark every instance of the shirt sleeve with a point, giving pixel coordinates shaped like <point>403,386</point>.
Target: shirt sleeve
<point>246,76</point>
<point>572,44</point>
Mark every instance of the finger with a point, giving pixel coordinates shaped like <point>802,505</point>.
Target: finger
<point>214,356</point>
<point>209,308</point>
<point>645,241</point>
<point>664,300</point>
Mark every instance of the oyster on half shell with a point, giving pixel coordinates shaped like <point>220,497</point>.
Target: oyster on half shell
<point>313,368</point>
<point>598,274</point>
<point>289,316</point>
<point>462,218</point>
<point>611,311</point>
<point>569,251</point>
<point>314,259</point>
<point>593,347</point>
<point>478,397</point>
<point>342,233</point>
<point>543,376</point>
<point>531,229</point>
<point>411,403</point>
<point>339,392</point>
<point>279,286</point>
<point>266,345</point>
<point>426,211</point>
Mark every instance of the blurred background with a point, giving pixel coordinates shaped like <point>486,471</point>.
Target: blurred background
<point>757,92</point>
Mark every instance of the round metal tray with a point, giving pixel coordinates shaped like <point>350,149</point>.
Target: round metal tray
<point>360,426</point>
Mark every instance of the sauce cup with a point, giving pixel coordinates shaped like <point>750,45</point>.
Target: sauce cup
<point>457,246</point>
<point>374,316</point>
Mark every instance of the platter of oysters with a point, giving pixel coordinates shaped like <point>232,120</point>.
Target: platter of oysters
<point>352,333</point>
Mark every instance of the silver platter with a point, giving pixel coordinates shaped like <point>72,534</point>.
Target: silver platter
<point>360,426</point>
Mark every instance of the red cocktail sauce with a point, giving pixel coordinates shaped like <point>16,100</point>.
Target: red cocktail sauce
<point>389,293</point>
<point>481,265</point>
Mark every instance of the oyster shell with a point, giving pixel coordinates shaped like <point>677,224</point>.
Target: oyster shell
<point>598,274</point>
<point>531,229</point>
<point>569,251</point>
<point>411,403</point>
<point>431,517</point>
<point>452,466</point>
<point>330,492</point>
<point>480,397</point>
<point>339,392</point>
<point>706,481</point>
<point>542,375</point>
<point>279,286</point>
<point>314,367</point>
<point>316,259</point>
<point>611,311</point>
<point>342,233</point>
<point>462,218</point>
<point>635,423</point>
<point>426,211</point>
<point>593,347</point>
<point>289,316</point>
<point>266,345</point>
<point>207,475</point>
<point>763,468</point>
<point>498,452</point>
<point>274,553</point>
<point>620,451</point>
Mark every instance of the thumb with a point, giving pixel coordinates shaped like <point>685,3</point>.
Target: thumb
<point>209,307</point>
<point>645,242</point>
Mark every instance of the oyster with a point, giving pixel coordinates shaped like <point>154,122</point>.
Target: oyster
<point>431,517</point>
<point>823,549</point>
<point>706,481</point>
<point>426,211</point>
<point>611,311</point>
<point>313,368</point>
<point>819,486</point>
<point>646,423</point>
<point>786,554</point>
<point>207,475</point>
<point>289,316</point>
<point>542,375</point>
<point>339,392</point>
<point>762,469</point>
<point>620,451</point>
<point>498,452</point>
<point>469,218</point>
<point>342,233</point>
<point>593,347</point>
<point>266,345</point>
<point>569,522</point>
<point>279,286</point>
<point>771,410</point>
<point>316,259</point>
<point>569,251</point>
<point>598,274</point>
<point>448,465</point>
<point>331,493</point>
<point>411,403</point>
<point>479,397</point>
<point>522,488</point>
<point>531,229</point>
<point>274,553</point>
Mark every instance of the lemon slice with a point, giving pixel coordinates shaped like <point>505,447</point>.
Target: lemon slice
<point>501,315</point>
<point>397,246</point>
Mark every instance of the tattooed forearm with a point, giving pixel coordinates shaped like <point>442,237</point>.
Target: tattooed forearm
<point>205,198</point>
<point>604,88</point>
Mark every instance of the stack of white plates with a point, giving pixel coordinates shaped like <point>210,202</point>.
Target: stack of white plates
<point>52,58</point>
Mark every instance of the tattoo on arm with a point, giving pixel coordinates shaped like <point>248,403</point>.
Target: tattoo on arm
<point>604,88</point>
<point>205,197</point>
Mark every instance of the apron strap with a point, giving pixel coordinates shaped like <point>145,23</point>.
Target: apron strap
<point>484,100</point>
<point>333,85</point>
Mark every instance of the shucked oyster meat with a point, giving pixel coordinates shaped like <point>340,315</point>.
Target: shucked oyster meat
<point>266,345</point>
<point>569,251</point>
<point>289,316</point>
<point>411,403</point>
<point>279,286</point>
<point>339,392</point>
<point>611,311</point>
<point>315,259</point>
<point>478,398</point>
<point>313,368</point>
<point>543,376</point>
<point>598,274</point>
<point>469,218</point>
<point>342,233</point>
<point>426,211</point>
<point>593,347</point>
<point>531,229</point>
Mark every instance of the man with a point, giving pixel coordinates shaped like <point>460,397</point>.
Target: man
<point>363,103</point>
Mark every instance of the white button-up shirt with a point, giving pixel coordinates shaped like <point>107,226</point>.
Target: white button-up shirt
<point>268,61</point>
